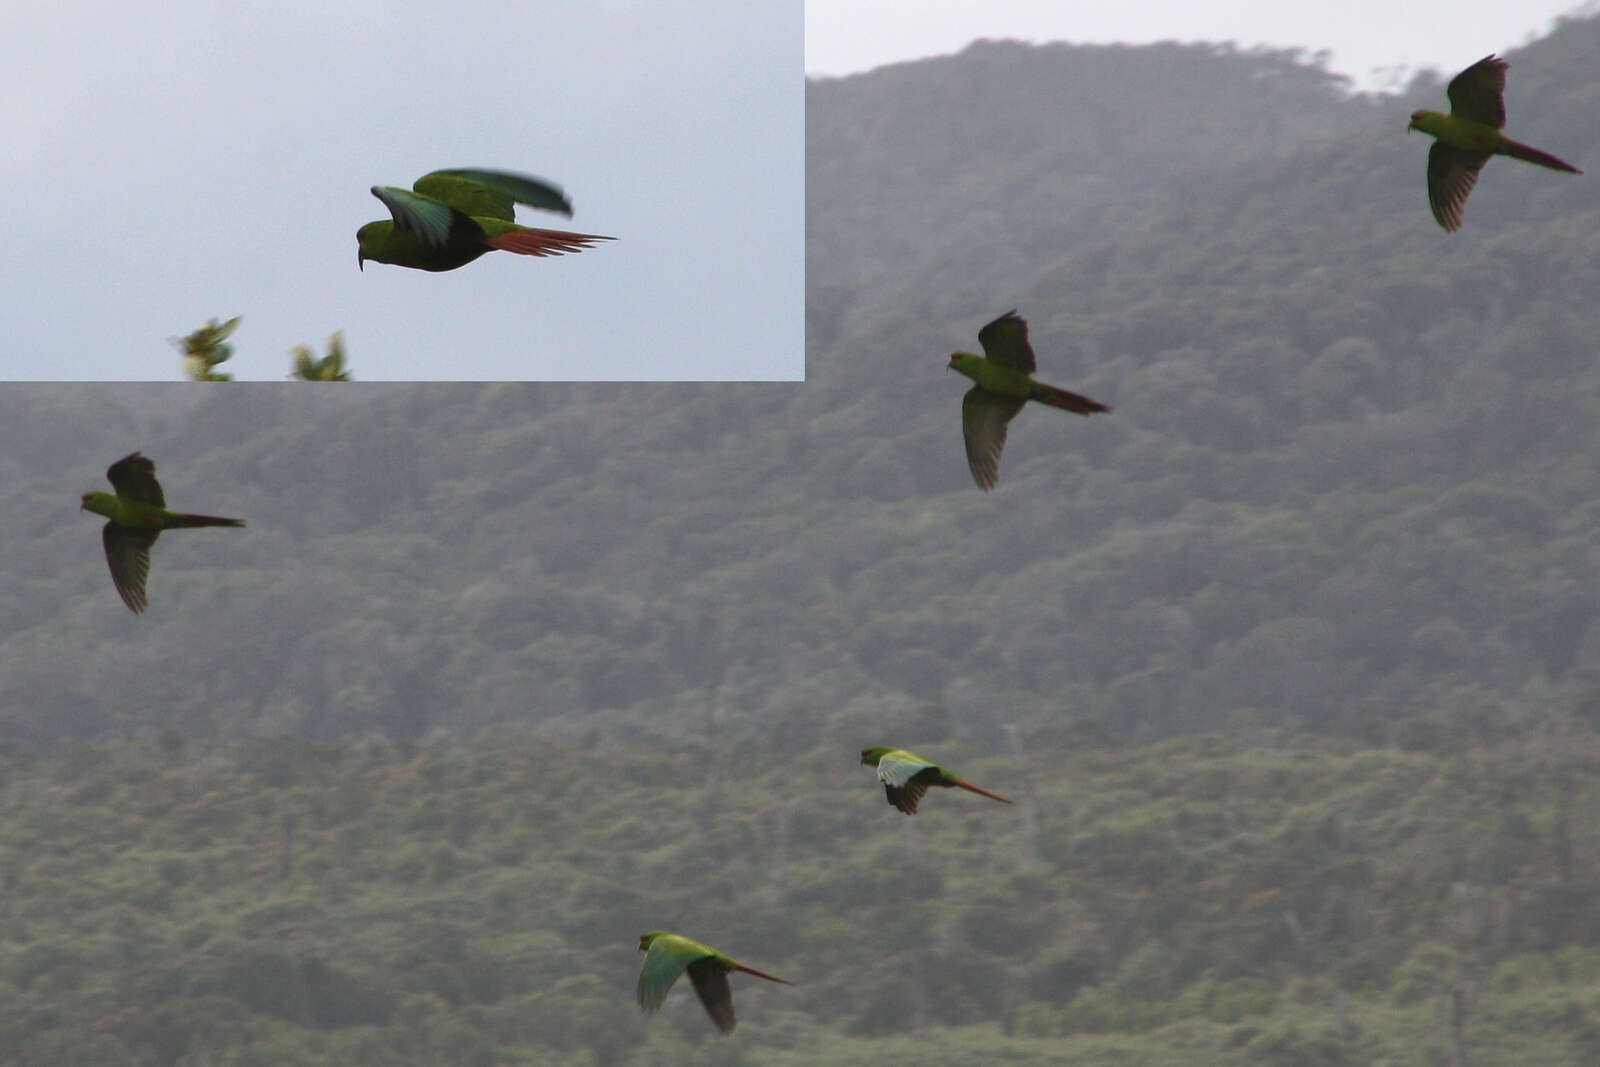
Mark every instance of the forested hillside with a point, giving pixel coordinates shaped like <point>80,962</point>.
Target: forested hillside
<point>1192,901</point>
<point>1292,660</point>
<point>1349,482</point>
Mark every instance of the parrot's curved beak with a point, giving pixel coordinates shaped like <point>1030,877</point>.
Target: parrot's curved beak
<point>361,259</point>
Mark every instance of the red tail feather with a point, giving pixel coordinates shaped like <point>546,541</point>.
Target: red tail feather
<point>532,242</point>
<point>1060,398</point>
<point>760,974</point>
<point>984,792</point>
<point>1527,153</point>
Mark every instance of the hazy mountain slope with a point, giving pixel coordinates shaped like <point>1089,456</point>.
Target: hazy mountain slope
<point>1304,367</point>
<point>911,161</point>
<point>1349,481</point>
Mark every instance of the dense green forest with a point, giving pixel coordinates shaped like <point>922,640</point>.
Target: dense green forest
<point>1197,900</point>
<point>1293,661</point>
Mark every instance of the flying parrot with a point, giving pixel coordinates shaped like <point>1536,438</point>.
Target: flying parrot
<point>1004,383</point>
<point>451,217</point>
<point>669,955</point>
<point>906,776</point>
<point>1468,136</point>
<point>138,513</point>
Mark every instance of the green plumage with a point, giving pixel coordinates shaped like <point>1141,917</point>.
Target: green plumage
<point>1466,138</point>
<point>138,513</point>
<point>1004,383</point>
<point>669,955</point>
<point>907,777</point>
<point>449,218</point>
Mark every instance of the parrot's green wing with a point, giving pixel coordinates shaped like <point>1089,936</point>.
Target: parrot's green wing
<point>710,980</point>
<point>1452,172</point>
<point>1477,93</point>
<point>899,767</point>
<point>128,556</point>
<point>134,476</point>
<point>1005,341</point>
<point>983,427</point>
<point>430,221</point>
<point>491,193</point>
<point>668,956</point>
<point>896,770</point>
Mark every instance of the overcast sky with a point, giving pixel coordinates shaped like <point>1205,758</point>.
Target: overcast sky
<point>165,164</point>
<point>847,36</point>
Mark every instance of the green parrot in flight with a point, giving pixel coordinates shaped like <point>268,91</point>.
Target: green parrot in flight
<point>1468,136</point>
<point>138,513</point>
<point>451,217</point>
<point>669,955</point>
<point>1004,383</point>
<point>906,777</point>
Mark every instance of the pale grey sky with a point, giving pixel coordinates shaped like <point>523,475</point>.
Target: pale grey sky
<point>165,164</point>
<point>848,36</point>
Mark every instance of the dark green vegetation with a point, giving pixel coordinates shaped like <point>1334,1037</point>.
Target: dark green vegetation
<point>1351,481</point>
<point>1344,519</point>
<point>1350,493</point>
<point>1195,901</point>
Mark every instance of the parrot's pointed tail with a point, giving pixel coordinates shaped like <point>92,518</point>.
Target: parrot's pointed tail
<point>1529,154</point>
<point>1060,398</point>
<point>981,792</point>
<point>535,242</point>
<point>180,521</point>
<point>760,974</point>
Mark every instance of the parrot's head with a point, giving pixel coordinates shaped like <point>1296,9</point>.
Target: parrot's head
<point>959,360</point>
<point>1426,121</point>
<point>369,241</point>
<point>871,756</point>
<point>645,940</point>
<point>99,503</point>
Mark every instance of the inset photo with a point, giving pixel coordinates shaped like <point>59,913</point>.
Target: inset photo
<point>405,191</point>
